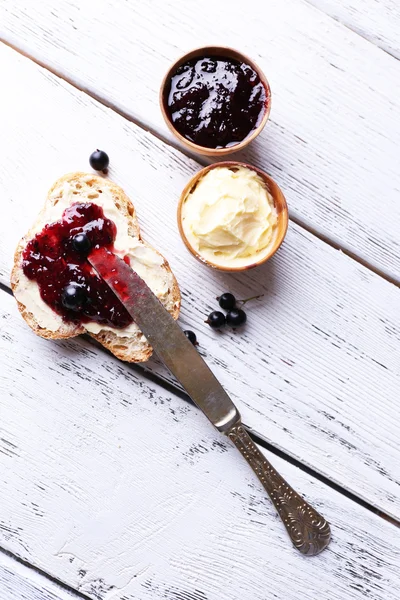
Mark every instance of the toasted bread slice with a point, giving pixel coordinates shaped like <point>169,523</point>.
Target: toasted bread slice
<point>128,344</point>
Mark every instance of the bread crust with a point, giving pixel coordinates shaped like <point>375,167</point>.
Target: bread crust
<point>130,348</point>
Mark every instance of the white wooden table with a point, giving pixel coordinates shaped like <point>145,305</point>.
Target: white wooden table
<point>112,486</point>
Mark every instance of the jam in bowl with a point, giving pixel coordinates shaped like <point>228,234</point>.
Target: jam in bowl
<point>215,100</point>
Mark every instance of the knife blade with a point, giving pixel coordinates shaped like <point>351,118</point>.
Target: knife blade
<point>167,339</point>
<point>307,529</point>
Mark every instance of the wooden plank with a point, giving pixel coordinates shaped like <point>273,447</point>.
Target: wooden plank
<point>121,490</point>
<point>19,582</point>
<point>332,142</point>
<point>316,369</point>
<point>376,20</point>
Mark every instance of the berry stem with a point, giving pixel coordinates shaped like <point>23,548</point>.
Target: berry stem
<point>252,298</point>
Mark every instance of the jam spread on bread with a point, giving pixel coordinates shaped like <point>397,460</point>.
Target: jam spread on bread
<point>216,102</point>
<point>56,258</point>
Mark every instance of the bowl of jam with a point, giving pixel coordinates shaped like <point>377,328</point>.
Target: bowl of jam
<point>215,100</point>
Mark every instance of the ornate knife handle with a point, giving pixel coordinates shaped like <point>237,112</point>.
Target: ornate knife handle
<point>307,529</point>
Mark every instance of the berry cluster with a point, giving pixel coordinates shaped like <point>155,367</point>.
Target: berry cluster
<point>235,317</point>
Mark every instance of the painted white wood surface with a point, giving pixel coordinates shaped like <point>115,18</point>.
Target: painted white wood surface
<point>122,491</point>
<point>19,582</point>
<point>376,20</point>
<point>332,142</point>
<point>317,368</point>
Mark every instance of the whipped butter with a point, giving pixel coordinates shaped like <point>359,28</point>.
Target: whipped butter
<point>145,260</point>
<point>229,218</point>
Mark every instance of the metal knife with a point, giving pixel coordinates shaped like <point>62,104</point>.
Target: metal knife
<point>308,530</point>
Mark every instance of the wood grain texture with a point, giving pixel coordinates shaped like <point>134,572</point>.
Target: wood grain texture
<point>19,582</point>
<point>123,491</point>
<point>316,370</point>
<point>332,141</point>
<point>376,20</point>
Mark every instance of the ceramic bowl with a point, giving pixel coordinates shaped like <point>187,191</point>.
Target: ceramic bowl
<point>210,51</point>
<point>279,203</point>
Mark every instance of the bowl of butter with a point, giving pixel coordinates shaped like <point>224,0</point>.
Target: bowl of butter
<point>232,216</point>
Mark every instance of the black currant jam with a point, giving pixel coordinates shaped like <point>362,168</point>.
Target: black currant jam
<point>216,102</point>
<point>56,258</point>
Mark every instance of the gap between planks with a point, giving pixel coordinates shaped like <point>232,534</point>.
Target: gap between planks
<point>256,437</point>
<point>203,161</point>
<point>64,586</point>
<point>352,28</point>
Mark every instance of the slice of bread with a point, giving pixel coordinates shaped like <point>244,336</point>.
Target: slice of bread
<point>127,344</point>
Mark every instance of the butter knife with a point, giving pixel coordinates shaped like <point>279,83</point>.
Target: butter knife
<point>307,529</point>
